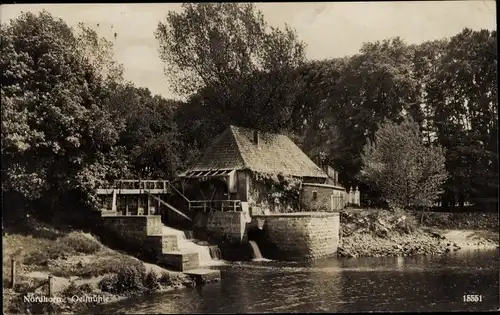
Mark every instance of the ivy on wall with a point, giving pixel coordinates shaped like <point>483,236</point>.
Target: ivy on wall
<point>279,188</point>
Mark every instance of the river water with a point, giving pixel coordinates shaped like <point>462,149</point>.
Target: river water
<point>431,283</point>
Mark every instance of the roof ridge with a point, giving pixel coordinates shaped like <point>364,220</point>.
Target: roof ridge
<point>303,153</point>
<point>238,144</point>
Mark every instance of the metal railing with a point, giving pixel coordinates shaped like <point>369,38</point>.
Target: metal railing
<point>215,205</point>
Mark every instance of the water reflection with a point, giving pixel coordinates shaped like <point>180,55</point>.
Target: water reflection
<point>337,285</point>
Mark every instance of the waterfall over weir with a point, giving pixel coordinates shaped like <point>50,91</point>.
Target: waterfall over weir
<point>257,256</point>
<point>209,254</point>
<point>255,250</point>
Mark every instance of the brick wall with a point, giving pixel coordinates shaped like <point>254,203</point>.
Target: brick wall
<point>323,201</point>
<point>300,236</point>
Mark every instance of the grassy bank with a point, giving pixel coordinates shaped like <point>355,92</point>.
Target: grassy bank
<point>373,232</point>
<point>81,266</point>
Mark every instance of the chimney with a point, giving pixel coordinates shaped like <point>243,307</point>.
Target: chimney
<point>256,137</point>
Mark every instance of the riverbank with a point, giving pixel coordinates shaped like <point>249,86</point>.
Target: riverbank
<point>84,273</point>
<point>377,233</point>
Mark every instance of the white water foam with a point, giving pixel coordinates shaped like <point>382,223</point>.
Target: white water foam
<point>188,245</point>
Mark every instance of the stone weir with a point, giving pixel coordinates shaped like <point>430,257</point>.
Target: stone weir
<point>147,235</point>
<point>283,236</point>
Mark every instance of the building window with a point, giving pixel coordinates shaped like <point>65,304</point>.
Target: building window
<point>315,195</point>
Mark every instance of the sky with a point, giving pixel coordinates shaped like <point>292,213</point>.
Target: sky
<point>329,29</point>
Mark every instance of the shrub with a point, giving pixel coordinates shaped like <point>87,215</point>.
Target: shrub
<point>73,243</point>
<point>108,283</point>
<point>25,285</point>
<point>150,281</point>
<point>165,279</point>
<point>73,289</point>
<point>130,279</point>
<point>109,265</point>
<point>172,279</point>
<point>80,243</point>
<point>43,254</point>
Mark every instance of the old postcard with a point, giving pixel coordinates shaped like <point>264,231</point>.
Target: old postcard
<point>188,158</point>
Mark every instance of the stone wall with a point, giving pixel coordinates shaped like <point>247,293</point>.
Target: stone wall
<point>297,236</point>
<point>219,225</point>
<point>135,230</point>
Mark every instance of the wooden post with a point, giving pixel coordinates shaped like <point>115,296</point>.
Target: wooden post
<point>138,202</point>
<point>13,272</point>
<point>49,292</point>
<point>49,286</point>
<point>148,204</point>
<point>126,205</point>
<point>113,204</point>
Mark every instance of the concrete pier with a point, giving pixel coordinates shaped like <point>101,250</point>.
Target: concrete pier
<point>202,276</point>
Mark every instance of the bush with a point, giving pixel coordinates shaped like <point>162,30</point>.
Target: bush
<point>169,279</point>
<point>130,279</point>
<point>109,265</point>
<point>108,283</point>
<point>72,289</point>
<point>165,279</point>
<point>72,243</point>
<point>150,281</point>
<point>43,254</point>
<point>80,243</point>
<point>25,285</point>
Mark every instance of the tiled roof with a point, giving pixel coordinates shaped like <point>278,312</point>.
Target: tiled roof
<point>275,153</point>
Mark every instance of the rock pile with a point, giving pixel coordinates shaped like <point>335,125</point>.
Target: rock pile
<point>385,233</point>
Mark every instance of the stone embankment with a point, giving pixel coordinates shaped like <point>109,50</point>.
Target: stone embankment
<point>297,236</point>
<point>384,233</point>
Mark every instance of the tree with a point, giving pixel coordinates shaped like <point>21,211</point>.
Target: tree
<point>57,139</point>
<point>149,134</point>
<point>356,94</point>
<point>463,97</point>
<point>401,167</point>
<point>227,60</point>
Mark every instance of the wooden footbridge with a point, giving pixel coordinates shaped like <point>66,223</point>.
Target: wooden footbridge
<point>146,197</point>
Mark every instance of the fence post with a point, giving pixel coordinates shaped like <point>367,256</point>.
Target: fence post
<point>148,203</point>
<point>13,272</point>
<point>49,293</point>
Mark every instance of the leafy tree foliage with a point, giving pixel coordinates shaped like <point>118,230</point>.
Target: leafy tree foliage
<point>235,68</point>
<point>70,121</point>
<point>463,96</point>
<point>399,165</point>
<point>149,137</point>
<point>57,138</point>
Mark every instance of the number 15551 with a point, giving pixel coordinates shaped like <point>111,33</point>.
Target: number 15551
<point>473,298</point>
